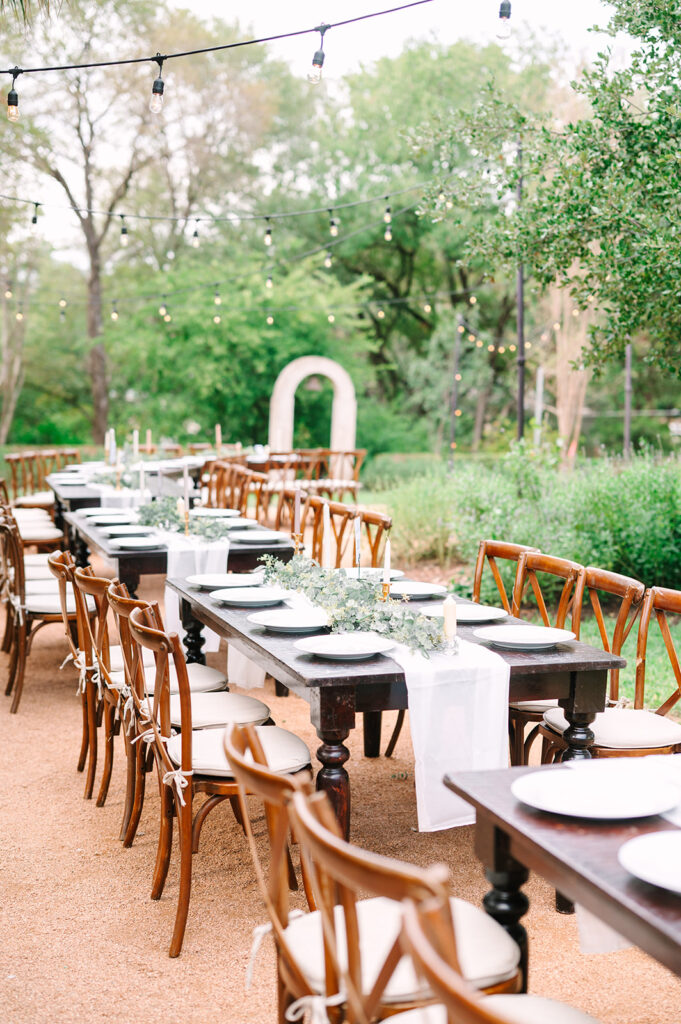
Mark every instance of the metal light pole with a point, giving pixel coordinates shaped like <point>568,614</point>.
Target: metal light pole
<point>520,307</point>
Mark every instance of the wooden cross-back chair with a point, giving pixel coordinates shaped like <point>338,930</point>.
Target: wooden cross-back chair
<point>191,763</point>
<point>284,518</point>
<point>427,939</point>
<point>551,568</point>
<point>340,516</point>
<point>491,552</point>
<point>336,473</point>
<point>632,732</point>
<point>359,954</point>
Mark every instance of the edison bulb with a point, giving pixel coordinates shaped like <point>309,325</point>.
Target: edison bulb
<point>269,283</point>
<point>328,261</point>
<point>270,320</point>
<point>217,319</point>
<point>314,75</point>
<point>114,315</point>
<point>156,102</point>
<point>387,234</point>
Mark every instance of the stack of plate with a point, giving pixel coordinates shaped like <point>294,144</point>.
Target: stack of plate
<point>249,597</point>
<point>524,638</point>
<point>345,646</point>
<point>136,543</point>
<point>220,580</point>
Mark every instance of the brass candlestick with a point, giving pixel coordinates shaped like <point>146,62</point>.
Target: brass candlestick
<point>186,522</point>
<point>118,478</point>
<point>297,539</point>
<point>385,591</point>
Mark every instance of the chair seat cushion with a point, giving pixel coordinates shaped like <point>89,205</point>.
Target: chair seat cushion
<point>515,1009</point>
<point>285,752</point>
<point>35,560</point>
<point>212,710</point>
<point>48,604</point>
<point>487,953</point>
<point>42,498</point>
<point>624,728</point>
<point>116,657</point>
<point>32,515</point>
<point>202,679</point>
<point>33,534</point>
<point>42,586</point>
<point>536,706</point>
<point>38,572</point>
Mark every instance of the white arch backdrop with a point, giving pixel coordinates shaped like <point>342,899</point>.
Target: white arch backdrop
<point>282,403</point>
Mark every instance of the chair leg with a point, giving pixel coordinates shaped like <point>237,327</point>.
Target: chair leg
<point>201,815</point>
<point>85,739</point>
<point>109,719</point>
<point>17,678</point>
<point>515,738</point>
<point>12,668</point>
<point>129,783</point>
<point>165,843</point>
<point>184,817</point>
<point>9,631</point>
<point>392,743</point>
<point>91,692</point>
<point>138,802</point>
<point>528,744</point>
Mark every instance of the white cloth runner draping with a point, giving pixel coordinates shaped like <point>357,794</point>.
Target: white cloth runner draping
<point>458,716</point>
<point>127,497</point>
<point>187,556</point>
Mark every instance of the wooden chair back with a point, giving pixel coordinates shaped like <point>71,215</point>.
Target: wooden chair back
<point>4,492</point>
<point>375,528</point>
<point>492,551</point>
<point>338,873</point>
<point>62,567</point>
<point>122,606</point>
<point>97,587</point>
<point>532,562</point>
<point>426,934</point>
<point>284,518</point>
<point>630,594</point>
<point>661,602</point>
<point>340,516</point>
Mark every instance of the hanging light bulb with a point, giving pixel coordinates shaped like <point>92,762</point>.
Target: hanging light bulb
<point>511,348</point>
<point>196,241</point>
<point>333,226</point>
<point>504,29</point>
<point>387,216</point>
<point>19,315</point>
<point>13,98</point>
<point>472,300</point>
<point>114,312</point>
<point>216,298</point>
<point>328,259</point>
<point>163,309</point>
<point>457,376</point>
<point>62,315</point>
<point>502,349</point>
<point>490,348</point>
<point>471,337</point>
<point>461,329</point>
<point>270,320</point>
<point>167,317</point>
<point>479,343</point>
<point>156,101</point>
<point>528,345</point>
<point>269,283</point>
<point>331,318</point>
<point>381,314</point>
<point>62,303</point>
<point>388,233</point>
<point>268,233</point>
<point>34,218</point>
<point>556,326</point>
<point>217,318</point>
<point>427,308</point>
<point>8,290</point>
<point>124,232</point>
<point>314,75</point>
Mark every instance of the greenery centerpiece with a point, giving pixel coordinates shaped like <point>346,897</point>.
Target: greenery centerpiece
<point>352,603</point>
<point>164,514</point>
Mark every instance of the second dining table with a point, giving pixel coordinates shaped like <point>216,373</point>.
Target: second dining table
<point>575,674</point>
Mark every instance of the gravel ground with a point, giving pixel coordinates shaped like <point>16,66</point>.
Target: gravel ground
<point>81,941</point>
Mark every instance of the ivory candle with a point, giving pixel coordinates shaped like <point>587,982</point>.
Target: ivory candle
<point>107,445</point>
<point>218,437</point>
<point>113,455</point>
<point>135,444</point>
<point>327,540</point>
<point>296,511</point>
<point>358,541</point>
<point>386,562</point>
<point>449,607</point>
<point>180,508</point>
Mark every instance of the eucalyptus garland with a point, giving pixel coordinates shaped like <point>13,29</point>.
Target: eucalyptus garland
<point>125,479</point>
<point>163,514</point>
<point>355,604</point>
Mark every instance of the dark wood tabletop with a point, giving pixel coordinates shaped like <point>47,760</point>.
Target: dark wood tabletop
<point>576,855</point>
<point>85,536</point>
<point>574,673</point>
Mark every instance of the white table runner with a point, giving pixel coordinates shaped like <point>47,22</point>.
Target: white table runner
<point>126,497</point>
<point>458,715</point>
<point>187,556</point>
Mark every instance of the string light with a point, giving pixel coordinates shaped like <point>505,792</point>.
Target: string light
<point>269,283</point>
<point>114,311</point>
<point>388,233</point>
<point>427,308</point>
<point>163,309</point>
<point>511,348</point>
<point>268,233</point>
<point>314,76</point>
<point>34,218</point>
<point>381,314</point>
<point>575,312</point>
<point>545,336</point>
<point>457,412</point>
<point>217,299</point>
<point>490,348</point>
<point>501,349</point>
<point>8,290</point>
<point>217,318</point>
<point>457,376</point>
<point>196,241</point>
<point>528,345</point>
<point>156,101</point>
<point>331,318</point>
<point>556,326</point>
<point>479,343</point>
<point>167,317</point>
<point>333,226</point>
<point>19,315</point>
<point>62,303</point>
<point>270,320</point>
<point>461,329</point>
<point>124,232</point>
<point>328,259</point>
<point>504,29</point>
<point>13,98</point>
<point>472,300</point>
<point>471,337</point>
<point>387,216</point>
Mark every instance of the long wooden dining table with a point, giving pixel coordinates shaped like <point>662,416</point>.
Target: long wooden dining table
<point>578,856</point>
<point>575,674</point>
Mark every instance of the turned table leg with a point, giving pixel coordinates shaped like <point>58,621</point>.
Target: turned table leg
<point>332,710</point>
<point>193,641</point>
<point>505,901</point>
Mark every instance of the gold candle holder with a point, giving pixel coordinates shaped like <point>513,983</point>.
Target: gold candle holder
<point>186,522</point>
<point>297,539</point>
<point>385,591</point>
<point>118,479</point>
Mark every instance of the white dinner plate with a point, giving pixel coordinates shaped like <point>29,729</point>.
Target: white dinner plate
<point>241,523</point>
<point>375,575</point>
<point>468,614</point>
<point>291,620</point>
<point>126,530</point>
<point>123,518</point>
<point>345,646</point>
<point>102,510</point>
<point>250,597</point>
<point>136,543</point>
<point>72,481</point>
<point>654,858</point>
<point>258,537</point>
<point>416,589</point>
<point>524,638</point>
<point>214,513</point>
<point>219,580</point>
<point>583,794</point>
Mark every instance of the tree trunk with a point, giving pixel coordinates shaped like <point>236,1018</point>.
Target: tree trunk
<point>11,368</point>
<point>97,362</point>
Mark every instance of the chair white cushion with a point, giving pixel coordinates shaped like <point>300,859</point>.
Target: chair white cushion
<point>48,604</point>
<point>201,678</point>
<point>36,559</point>
<point>212,710</point>
<point>523,1009</point>
<point>487,953</point>
<point>38,572</point>
<point>537,706</point>
<point>116,657</point>
<point>624,728</point>
<point>45,498</point>
<point>42,586</point>
<point>35,534</point>
<point>31,515</point>
<point>285,752</point>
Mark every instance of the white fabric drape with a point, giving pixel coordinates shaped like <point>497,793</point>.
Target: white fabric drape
<point>186,557</point>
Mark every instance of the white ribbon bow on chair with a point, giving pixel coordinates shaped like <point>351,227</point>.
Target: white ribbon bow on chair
<point>179,779</point>
<point>18,608</point>
<point>83,670</point>
<point>316,1005</point>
